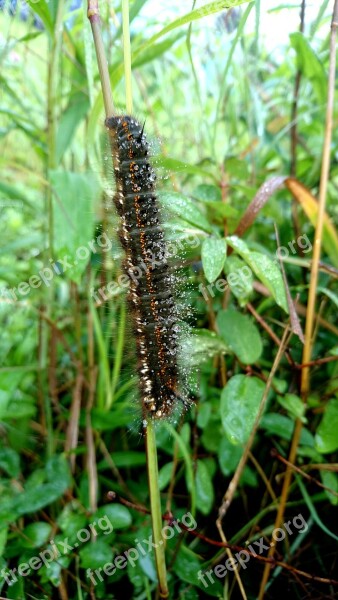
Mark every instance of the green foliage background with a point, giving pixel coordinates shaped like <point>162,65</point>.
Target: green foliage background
<point>218,106</point>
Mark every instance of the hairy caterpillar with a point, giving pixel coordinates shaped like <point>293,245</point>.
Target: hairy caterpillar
<point>152,280</point>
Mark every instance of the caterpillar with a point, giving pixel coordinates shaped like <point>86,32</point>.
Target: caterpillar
<point>152,278</point>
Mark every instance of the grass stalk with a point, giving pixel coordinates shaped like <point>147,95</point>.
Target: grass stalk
<point>95,22</point>
<point>150,440</point>
<point>127,55</point>
<point>155,507</point>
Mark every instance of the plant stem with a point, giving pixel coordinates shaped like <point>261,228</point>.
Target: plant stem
<point>127,55</point>
<point>155,506</point>
<point>118,349</point>
<point>94,18</point>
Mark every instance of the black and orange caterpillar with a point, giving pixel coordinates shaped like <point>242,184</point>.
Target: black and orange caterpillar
<point>152,278</point>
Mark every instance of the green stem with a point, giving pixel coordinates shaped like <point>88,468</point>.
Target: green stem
<point>127,55</point>
<point>118,350</point>
<point>53,74</point>
<point>156,512</point>
<point>94,18</point>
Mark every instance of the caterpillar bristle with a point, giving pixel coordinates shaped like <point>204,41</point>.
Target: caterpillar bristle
<point>152,305</point>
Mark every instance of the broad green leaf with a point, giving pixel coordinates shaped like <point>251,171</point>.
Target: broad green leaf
<point>202,345</point>
<point>114,515</point>
<point>240,335</point>
<point>204,488</point>
<point>203,415</point>
<point>330,294</point>
<point>220,211</point>
<point>326,436</point>
<point>177,166</point>
<point>57,470</point>
<point>240,401</point>
<point>188,566</point>
<point>239,278</point>
<point>207,193</point>
<point>70,119</point>
<point>330,480</point>
<point>3,541</point>
<point>72,519</point>
<point>214,252</point>
<point>165,475</point>
<point>293,405</point>
<point>95,555</point>
<point>283,427</point>
<point>41,8</point>
<point>236,167</point>
<point>309,65</point>
<point>10,462</point>
<point>75,196</point>
<point>36,534</point>
<point>53,572</point>
<point>228,456</point>
<point>264,268</point>
<point>184,208</point>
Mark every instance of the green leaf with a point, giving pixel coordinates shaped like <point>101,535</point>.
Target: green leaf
<point>164,475</point>
<point>156,50</point>
<point>75,195</point>
<point>312,508</point>
<point>177,166</point>
<point>236,167</point>
<point>118,515</point>
<point>214,252</point>
<point>283,427</point>
<point>187,567</point>
<point>204,488</point>
<point>203,415</point>
<point>70,119</point>
<point>265,269</point>
<point>198,13</point>
<point>240,400</point>
<point>185,209</point>
<point>239,278</point>
<point>42,10</point>
<point>309,65</point>
<point>293,405</point>
<point>10,462</point>
<point>207,193</point>
<point>95,555</point>
<point>3,541</point>
<point>201,346</point>
<point>36,534</point>
<point>330,480</point>
<point>240,335</point>
<point>326,436</point>
<point>228,456</point>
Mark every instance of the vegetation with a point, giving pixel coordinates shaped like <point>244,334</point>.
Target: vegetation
<point>242,129</point>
